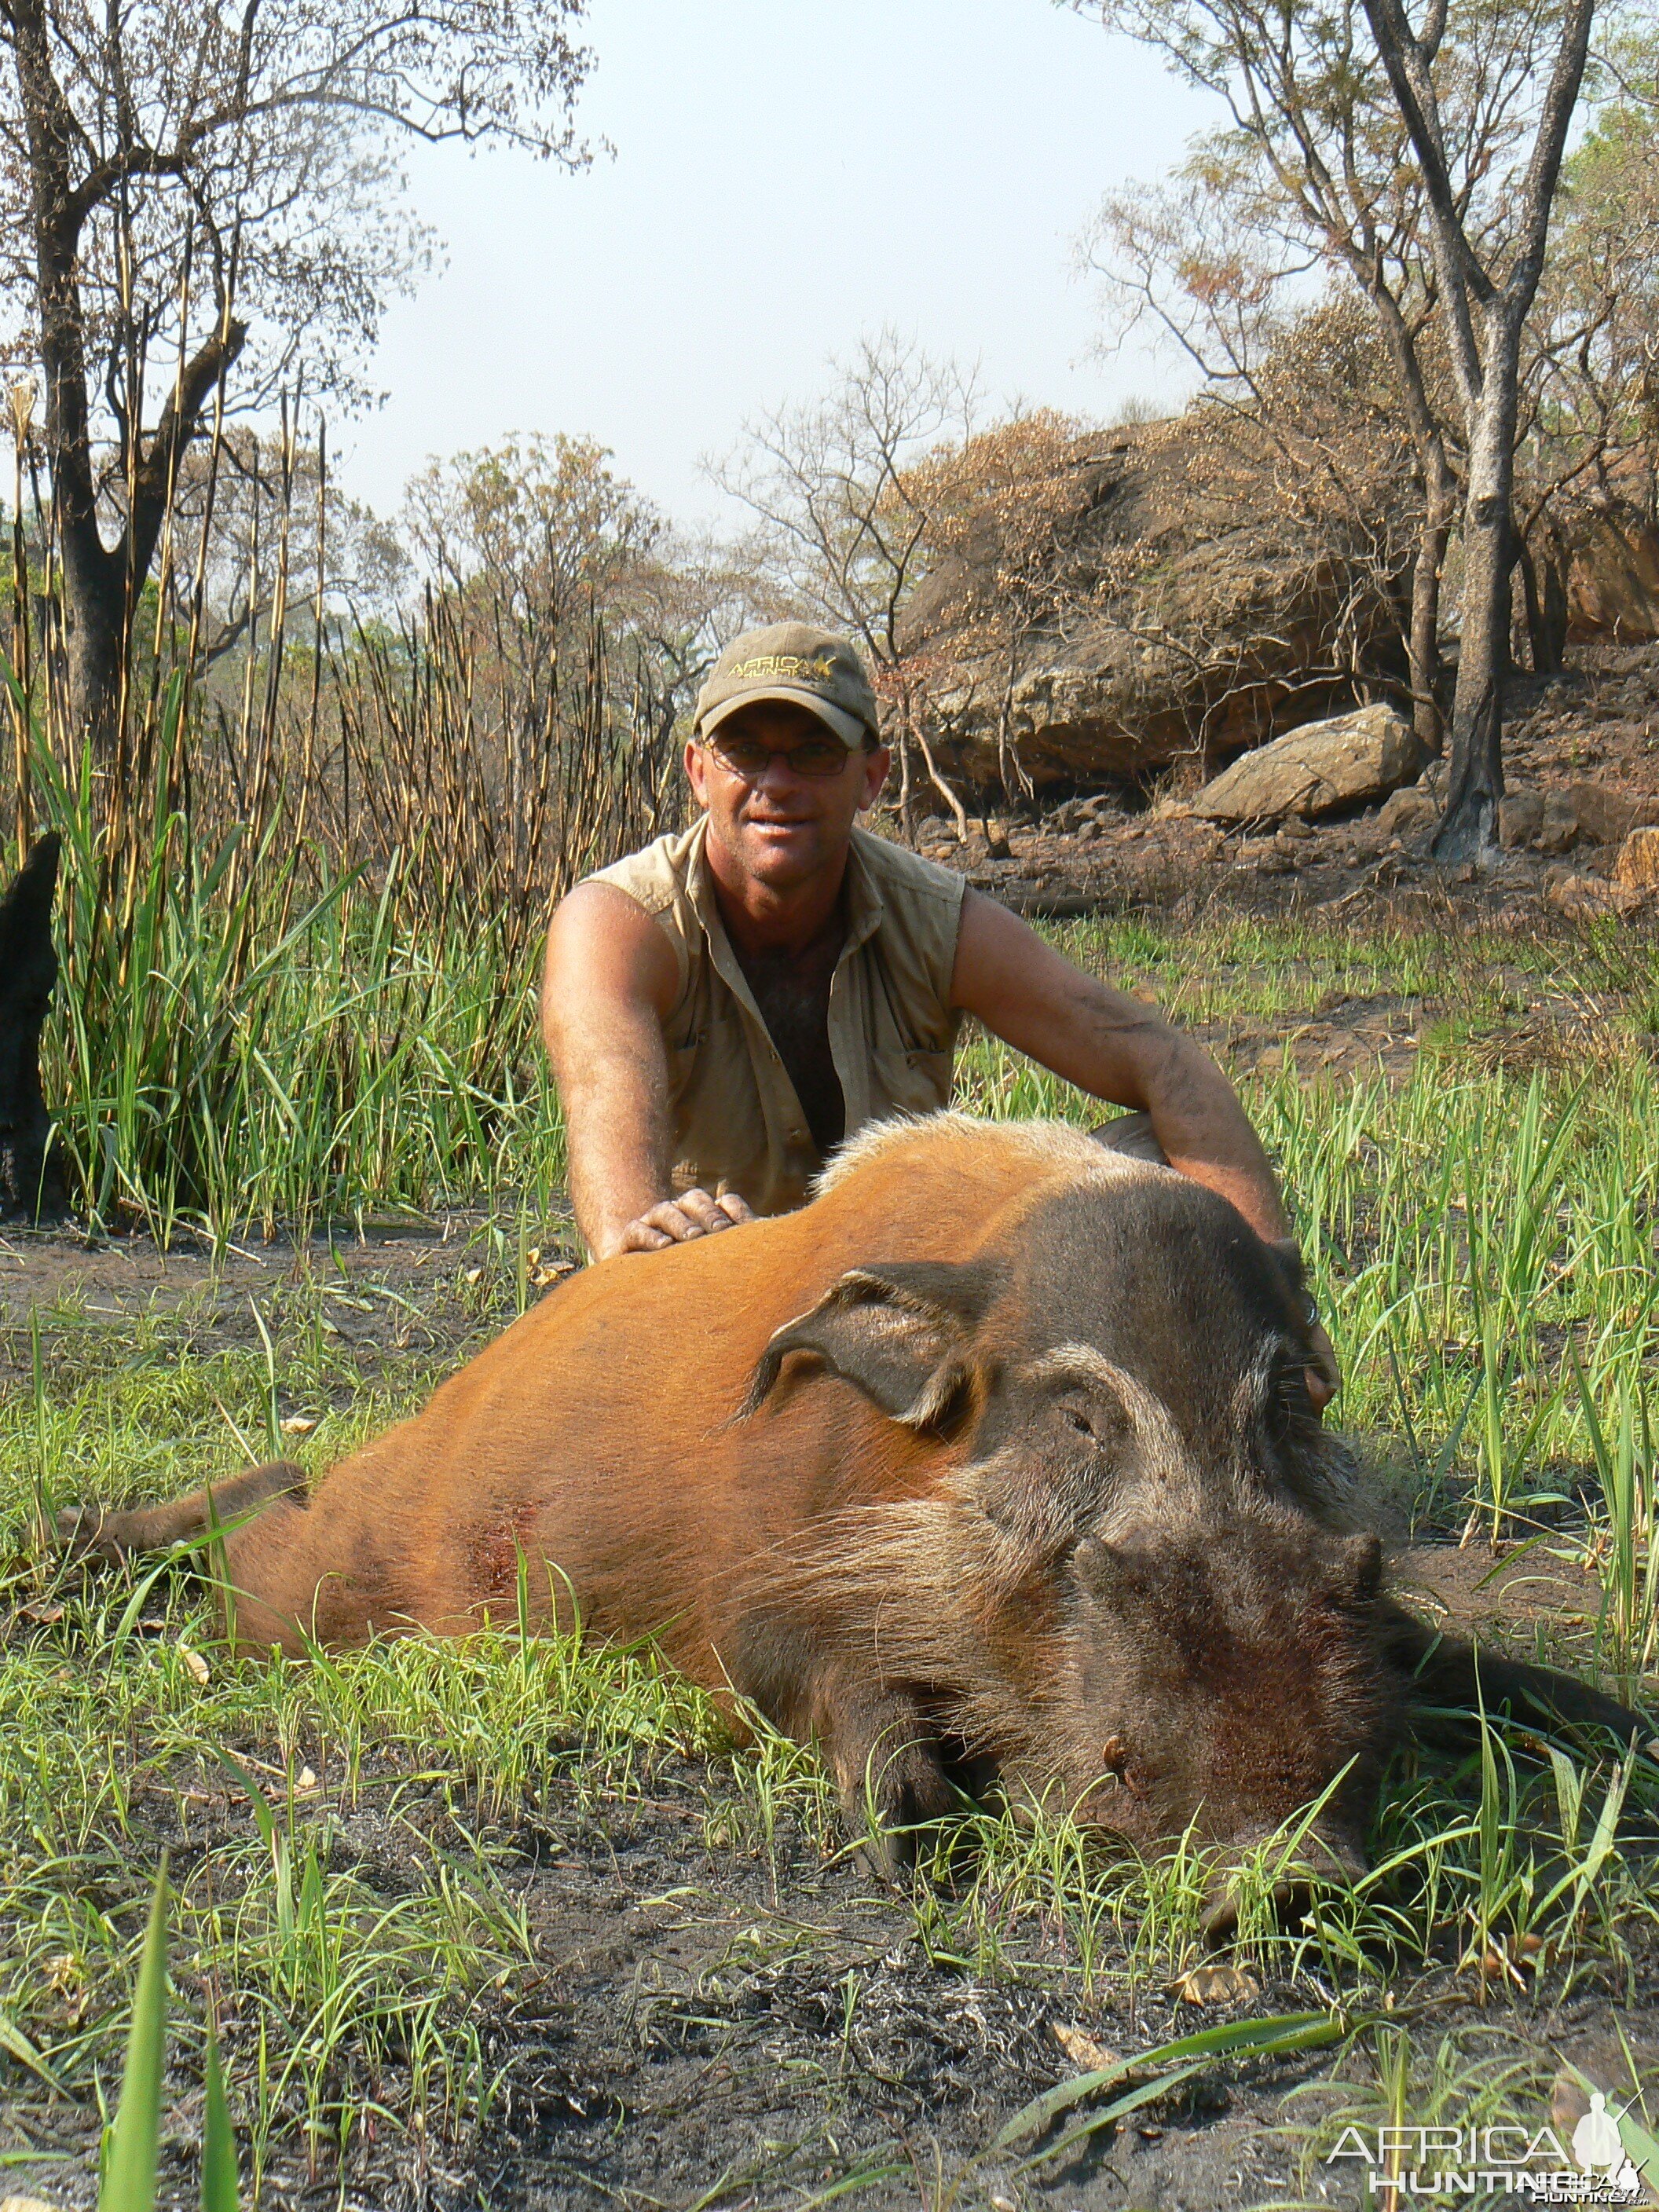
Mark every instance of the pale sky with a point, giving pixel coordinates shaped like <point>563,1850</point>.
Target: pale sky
<point>787,174</point>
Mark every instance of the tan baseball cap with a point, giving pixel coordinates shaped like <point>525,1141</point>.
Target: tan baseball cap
<point>804,666</point>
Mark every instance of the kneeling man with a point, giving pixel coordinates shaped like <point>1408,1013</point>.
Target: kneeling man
<point>723,1008</point>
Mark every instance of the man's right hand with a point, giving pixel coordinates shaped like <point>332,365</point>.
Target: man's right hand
<point>677,1220</point>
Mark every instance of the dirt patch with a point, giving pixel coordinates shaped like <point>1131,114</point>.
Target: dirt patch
<point>759,2028</point>
<point>1598,722</point>
<point>436,1287</point>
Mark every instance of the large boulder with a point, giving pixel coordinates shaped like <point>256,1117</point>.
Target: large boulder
<point>1162,620</point>
<point>1324,768</point>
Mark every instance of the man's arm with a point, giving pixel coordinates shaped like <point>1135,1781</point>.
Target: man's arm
<point>1112,1045</point>
<point>607,988</point>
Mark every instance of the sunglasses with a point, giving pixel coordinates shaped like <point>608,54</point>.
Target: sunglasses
<point>749,758</point>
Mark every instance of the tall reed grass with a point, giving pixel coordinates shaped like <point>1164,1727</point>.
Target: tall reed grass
<point>303,892</point>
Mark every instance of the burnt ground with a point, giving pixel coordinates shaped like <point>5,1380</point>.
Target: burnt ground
<point>718,2017</point>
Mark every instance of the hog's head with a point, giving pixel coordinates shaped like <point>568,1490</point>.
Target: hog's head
<point>1117,1575</point>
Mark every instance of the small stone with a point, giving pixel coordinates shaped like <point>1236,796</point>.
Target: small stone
<point>1582,896</point>
<point>1606,817</point>
<point>1405,813</point>
<point>1085,2053</point>
<point>1212,1985</point>
<point>1559,828</point>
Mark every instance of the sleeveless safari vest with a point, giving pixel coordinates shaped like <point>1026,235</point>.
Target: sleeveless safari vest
<point>737,1123</point>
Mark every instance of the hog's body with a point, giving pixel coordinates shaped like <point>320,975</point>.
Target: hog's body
<point>1001,1444</point>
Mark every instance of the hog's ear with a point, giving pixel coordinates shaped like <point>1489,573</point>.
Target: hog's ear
<point>899,1334</point>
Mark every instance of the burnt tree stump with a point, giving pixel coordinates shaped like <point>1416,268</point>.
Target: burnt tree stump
<point>31,1176</point>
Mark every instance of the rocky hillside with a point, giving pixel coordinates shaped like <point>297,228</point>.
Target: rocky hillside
<point>1175,605</point>
<point>1165,622</point>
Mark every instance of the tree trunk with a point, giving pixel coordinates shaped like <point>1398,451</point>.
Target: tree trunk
<point>95,640</point>
<point>31,1170</point>
<point>1469,830</point>
<point>1423,644</point>
<point>1546,598</point>
<point>101,583</point>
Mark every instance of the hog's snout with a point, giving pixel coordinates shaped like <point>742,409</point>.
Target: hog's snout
<point>1277,1879</point>
<point>1231,1673</point>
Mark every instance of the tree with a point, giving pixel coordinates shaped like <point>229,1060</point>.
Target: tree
<point>1488,271</point>
<point>1219,259</point>
<point>537,543</point>
<point>1331,108</point>
<point>183,188</point>
<point>1590,385</point>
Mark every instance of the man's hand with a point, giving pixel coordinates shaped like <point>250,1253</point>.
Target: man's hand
<point>679,1220</point>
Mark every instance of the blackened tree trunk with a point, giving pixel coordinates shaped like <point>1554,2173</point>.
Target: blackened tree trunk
<point>1423,644</point>
<point>31,1174</point>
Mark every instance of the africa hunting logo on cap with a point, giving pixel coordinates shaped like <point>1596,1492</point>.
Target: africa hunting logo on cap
<point>799,665</point>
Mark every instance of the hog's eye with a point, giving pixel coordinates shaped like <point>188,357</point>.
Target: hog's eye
<point>1075,1418</point>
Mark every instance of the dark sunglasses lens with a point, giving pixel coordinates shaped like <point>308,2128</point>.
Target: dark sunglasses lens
<point>818,757</point>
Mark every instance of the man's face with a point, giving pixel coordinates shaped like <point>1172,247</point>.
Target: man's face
<point>779,826</point>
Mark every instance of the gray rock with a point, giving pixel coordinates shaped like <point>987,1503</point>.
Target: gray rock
<point>1559,828</point>
<point>1318,770</point>
<point>1608,817</point>
<point>1406,813</point>
<point>1520,818</point>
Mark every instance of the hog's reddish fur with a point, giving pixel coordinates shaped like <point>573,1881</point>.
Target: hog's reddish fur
<point>598,1433</point>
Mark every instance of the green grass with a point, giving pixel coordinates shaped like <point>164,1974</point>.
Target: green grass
<point>1481,1236</point>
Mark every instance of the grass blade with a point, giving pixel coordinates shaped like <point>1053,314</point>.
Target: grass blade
<point>129,2182</point>
<point>16,2045</point>
<point>1285,2032</point>
<point>221,2190</point>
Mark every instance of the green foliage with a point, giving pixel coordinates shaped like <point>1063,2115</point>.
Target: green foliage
<point>236,1049</point>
